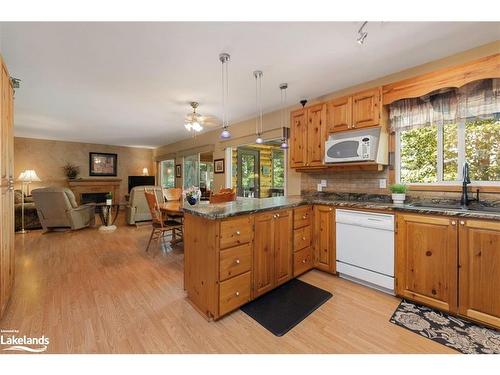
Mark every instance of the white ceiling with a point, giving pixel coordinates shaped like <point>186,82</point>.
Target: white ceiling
<point>131,83</point>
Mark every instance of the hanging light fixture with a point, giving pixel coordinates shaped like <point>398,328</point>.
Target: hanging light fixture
<point>258,101</point>
<point>284,137</point>
<point>224,59</point>
<point>362,34</point>
<point>193,120</point>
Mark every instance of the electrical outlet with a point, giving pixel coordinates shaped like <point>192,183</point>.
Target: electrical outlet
<point>319,187</point>
<point>382,183</point>
<point>323,183</point>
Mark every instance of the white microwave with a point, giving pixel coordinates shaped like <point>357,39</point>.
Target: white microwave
<point>358,148</point>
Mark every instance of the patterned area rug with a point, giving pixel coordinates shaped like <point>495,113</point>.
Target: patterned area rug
<point>456,333</point>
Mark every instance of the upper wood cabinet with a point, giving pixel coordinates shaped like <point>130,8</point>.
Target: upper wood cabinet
<point>298,146</point>
<point>272,250</point>
<point>308,136</point>
<point>360,110</point>
<point>339,114</point>
<point>479,270</point>
<point>316,135</point>
<point>427,257</point>
<point>324,238</point>
<point>366,108</point>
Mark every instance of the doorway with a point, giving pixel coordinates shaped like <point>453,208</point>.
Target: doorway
<point>248,172</point>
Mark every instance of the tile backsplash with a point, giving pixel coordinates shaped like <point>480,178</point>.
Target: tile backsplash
<point>367,182</point>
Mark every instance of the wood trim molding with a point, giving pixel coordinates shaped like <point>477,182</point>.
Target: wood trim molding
<point>486,67</point>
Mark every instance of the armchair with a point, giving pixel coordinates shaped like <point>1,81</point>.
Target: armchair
<point>57,208</point>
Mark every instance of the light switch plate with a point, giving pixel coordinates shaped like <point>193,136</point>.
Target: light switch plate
<point>382,183</point>
<point>323,183</point>
<point>319,187</point>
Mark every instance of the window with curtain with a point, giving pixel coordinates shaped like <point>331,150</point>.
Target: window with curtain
<point>436,134</point>
<point>167,173</point>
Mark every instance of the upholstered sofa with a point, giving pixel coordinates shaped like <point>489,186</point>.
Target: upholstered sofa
<point>30,215</point>
<point>137,209</point>
<point>57,208</point>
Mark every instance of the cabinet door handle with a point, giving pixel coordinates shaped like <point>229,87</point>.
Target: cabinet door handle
<point>277,215</point>
<point>237,261</point>
<point>237,294</point>
<point>303,238</point>
<point>303,260</point>
<point>462,222</point>
<point>304,217</point>
<point>238,232</point>
<point>453,222</point>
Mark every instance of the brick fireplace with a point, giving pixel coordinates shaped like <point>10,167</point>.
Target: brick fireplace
<point>93,186</point>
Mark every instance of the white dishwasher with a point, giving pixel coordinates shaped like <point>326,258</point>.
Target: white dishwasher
<point>365,248</point>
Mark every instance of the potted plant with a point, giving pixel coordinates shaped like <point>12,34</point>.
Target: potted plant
<point>398,193</point>
<point>192,195</point>
<point>71,171</point>
<point>109,199</point>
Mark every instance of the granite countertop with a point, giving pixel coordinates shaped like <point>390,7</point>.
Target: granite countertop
<point>243,206</point>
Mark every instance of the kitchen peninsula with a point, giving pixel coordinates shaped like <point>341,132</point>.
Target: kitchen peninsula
<point>238,251</point>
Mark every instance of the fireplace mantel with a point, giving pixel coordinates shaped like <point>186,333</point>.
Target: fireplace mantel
<point>81,186</point>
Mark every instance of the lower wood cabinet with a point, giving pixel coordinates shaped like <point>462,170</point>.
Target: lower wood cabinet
<point>324,238</point>
<point>303,260</point>
<point>479,270</point>
<point>272,250</point>
<point>234,292</point>
<point>450,264</point>
<point>426,258</point>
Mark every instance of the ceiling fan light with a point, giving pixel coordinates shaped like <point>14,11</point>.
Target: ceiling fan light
<point>188,126</point>
<point>196,126</point>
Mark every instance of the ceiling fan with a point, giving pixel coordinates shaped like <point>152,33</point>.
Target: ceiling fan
<point>194,122</point>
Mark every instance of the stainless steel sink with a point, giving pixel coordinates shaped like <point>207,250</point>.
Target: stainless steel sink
<point>446,206</point>
<point>454,206</point>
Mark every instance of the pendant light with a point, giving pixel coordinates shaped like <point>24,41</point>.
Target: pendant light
<point>283,117</point>
<point>258,101</point>
<point>224,59</point>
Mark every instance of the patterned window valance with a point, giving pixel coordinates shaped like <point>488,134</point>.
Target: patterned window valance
<point>479,99</point>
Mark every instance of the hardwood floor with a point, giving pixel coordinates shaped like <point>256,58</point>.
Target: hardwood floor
<point>93,292</point>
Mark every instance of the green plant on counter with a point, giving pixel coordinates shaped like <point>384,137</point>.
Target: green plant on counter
<point>398,188</point>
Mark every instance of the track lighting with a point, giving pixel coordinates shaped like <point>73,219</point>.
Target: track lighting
<point>362,34</point>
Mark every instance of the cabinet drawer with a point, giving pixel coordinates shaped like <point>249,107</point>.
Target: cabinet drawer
<point>234,292</point>
<point>301,238</point>
<point>235,261</point>
<point>302,217</point>
<point>302,261</point>
<point>234,232</point>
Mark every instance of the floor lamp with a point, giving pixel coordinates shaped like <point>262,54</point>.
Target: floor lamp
<point>26,177</point>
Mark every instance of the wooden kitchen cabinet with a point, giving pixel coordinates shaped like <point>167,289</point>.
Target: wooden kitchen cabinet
<point>324,238</point>
<point>298,144</point>
<point>339,114</point>
<point>426,260</point>
<point>272,250</point>
<point>308,136</point>
<point>479,270</point>
<point>316,135</point>
<point>366,108</point>
<point>303,256</point>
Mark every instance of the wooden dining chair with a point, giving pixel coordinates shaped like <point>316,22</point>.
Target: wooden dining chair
<point>172,194</point>
<point>160,227</point>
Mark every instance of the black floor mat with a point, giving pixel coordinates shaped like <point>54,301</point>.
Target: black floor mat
<point>286,306</point>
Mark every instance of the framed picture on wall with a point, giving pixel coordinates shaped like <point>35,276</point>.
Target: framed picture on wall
<point>219,166</point>
<point>178,171</point>
<point>102,164</point>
